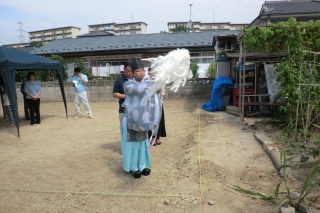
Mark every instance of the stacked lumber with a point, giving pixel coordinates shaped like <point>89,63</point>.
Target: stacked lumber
<point>233,110</point>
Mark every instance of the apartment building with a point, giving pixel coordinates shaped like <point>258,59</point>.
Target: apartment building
<point>197,26</point>
<point>16,45</point>
<point>45,36</point>
<point>131,28</point>
<point>101,27</point>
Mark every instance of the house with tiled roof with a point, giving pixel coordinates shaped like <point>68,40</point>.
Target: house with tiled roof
<point>113,50</point>
<point>277,11</point>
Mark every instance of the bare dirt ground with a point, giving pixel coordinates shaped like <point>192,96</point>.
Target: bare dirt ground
<point>66,165</point>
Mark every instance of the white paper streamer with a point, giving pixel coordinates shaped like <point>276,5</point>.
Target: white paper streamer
<point>173,68</point>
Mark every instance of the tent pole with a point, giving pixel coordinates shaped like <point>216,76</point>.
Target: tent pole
<point>60,79</point>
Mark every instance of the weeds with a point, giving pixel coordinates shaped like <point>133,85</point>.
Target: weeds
<point>311,184</point>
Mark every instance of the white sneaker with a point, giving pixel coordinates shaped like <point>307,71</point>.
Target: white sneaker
<point>76,117</point>
<point>91,116</point>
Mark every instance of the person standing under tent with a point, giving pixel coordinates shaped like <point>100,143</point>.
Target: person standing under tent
<point>80,82</point>
<point>118,91</point>
<point>7,108</point>
<point>33,90</point>
<point>25,105</point>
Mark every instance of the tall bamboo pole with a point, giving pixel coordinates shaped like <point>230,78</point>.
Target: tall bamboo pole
<point>240,84</point>
<point>243,84</point>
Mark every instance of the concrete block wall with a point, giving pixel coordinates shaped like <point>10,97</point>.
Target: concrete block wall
<point>50,91</point>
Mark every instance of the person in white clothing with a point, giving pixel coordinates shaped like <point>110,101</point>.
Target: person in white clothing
<point>7,109</point>
<point>80,81</point>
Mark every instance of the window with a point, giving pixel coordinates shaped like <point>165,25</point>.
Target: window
<point>207,54</point>
<point>195,54</point>
<point>207,60</point>
<point>194,61</point>
<point>202,57</point>
<point>228,44</point>
<point>225,44</point>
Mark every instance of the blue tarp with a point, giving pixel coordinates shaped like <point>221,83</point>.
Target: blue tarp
<point>218,89</point>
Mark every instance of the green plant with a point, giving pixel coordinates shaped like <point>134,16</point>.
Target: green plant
<point>36,44</point>
<point>179,29</point>
<point>211,70</point>
<point>194,70</point>
<point>298,72</point>
<point>310,185</point>
<point>80,63</point>
<point>260,195</point>
<point>63,63</point>
<point>113,76</point>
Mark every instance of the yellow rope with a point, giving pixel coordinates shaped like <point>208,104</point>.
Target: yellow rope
<point>96,193</point>
<point>184,197</point>
<point>179,111</point>
<point>222,136</point>
<point>199,162</point>
<point>199,155</point>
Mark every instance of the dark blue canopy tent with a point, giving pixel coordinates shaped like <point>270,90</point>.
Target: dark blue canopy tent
<point>12,60</point>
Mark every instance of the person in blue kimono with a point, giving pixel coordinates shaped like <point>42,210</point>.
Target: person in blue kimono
<point>141,115</point>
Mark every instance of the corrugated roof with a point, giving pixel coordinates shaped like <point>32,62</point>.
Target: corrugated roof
<point>290,7</point>
<point>130,42</point>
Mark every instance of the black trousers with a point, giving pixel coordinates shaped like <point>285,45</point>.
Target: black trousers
<point>162,127</point>
<point>25,106</point>
<point>34,109</point>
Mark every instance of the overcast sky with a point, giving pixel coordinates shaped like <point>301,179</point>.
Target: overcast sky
<point>42,14</point>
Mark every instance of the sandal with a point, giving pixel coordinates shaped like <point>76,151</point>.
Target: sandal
<point>158,142</point>
<point>152,142</point>
<point>11,125</point>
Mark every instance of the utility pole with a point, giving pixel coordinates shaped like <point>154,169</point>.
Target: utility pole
<point>190,22</point>
<point>21,32</point>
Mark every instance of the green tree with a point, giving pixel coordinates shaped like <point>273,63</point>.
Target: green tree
<point>36,44</point>
<point>180,28</point>
<point>194,70</point>
<point>298,72</point>
<point>211,70</point>
<point>80,63</point>
<point>63,63</point>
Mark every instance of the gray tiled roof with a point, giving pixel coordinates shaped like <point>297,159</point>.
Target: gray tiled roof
<point>126,42</point>
<point>26,48</point>
<point>98,33</point>
<point>290,7</point>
